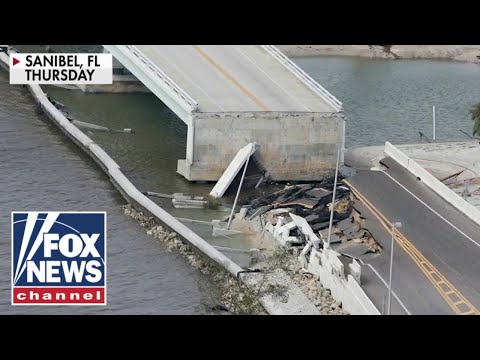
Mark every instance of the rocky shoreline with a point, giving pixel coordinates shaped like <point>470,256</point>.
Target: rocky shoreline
<point>315,292</point>
<point>236,296</point>
<point>464,53</point>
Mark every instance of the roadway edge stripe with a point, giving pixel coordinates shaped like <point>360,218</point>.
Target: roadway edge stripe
<point>421,261</point>
<point>428,269</point>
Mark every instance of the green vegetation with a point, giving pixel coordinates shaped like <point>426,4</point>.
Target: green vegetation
<point>475,112</point>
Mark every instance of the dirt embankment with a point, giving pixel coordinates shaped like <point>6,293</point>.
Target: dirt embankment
<point>465,53</point>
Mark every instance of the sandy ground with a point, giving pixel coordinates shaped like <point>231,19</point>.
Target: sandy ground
<point>440,159</point>
<point>466,53</point>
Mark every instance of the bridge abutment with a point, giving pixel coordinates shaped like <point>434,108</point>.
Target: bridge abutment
<point>293,146</point>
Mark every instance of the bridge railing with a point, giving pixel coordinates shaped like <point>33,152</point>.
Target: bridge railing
<point>159,74</point>
<point>303,76</point>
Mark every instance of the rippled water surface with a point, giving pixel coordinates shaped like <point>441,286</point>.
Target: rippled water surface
<point>392,100</point>
<point>41,170</point>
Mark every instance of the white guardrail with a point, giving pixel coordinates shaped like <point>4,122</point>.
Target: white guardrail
<point>433,183</point>
<point>303,76</point>
<point>160,75</point>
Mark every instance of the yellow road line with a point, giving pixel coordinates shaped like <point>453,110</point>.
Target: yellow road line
<point>422,262</point>
<point>230,77</point>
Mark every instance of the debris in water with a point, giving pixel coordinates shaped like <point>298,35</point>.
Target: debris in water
<point>181,201</point>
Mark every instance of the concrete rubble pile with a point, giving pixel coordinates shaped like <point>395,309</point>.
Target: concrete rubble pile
<point>307,201</point>
<point>275,215</point>
<point>297,219</point>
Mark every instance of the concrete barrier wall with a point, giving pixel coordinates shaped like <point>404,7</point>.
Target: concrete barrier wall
<point>433,183</point>
<point>299,146</point>
<point>325,266</point>
<point>396,155</point>
<point>356,301</point>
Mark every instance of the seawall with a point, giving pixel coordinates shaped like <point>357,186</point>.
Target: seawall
<point>465,53</point>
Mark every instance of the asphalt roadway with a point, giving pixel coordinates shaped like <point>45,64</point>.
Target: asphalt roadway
<point>436,263</point>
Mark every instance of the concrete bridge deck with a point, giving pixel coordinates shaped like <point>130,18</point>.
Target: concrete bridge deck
<point>232,95</point>
<point>234,78</point>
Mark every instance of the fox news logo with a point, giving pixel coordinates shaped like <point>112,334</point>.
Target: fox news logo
<point>59,258</point>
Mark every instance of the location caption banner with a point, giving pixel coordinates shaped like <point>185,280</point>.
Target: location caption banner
<point>61,69</point>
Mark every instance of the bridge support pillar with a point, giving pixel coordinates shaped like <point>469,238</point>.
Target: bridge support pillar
<point>293,146</point>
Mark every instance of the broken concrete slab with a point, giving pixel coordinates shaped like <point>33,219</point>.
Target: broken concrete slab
<point>256,224</point>
<point>304,187</point>
<point>277,229</point>
<point>280,211</point>
<point>155,194</point>
<point>262,222</point>
<point>305,228</point>
<point>232,170</point>
<point>324,232</point>
<point>303,255</point>
<point>260,211</point>
<point>312,218</point>
<point>182,203</point>
<point>280,196</point>
<point>232,250</point>
<point>369,257</point>
<point>290,225</point>
<point>287,218</point>
<point>193,221</point>
<point>288,197</point>
<point>334,239</point>
<point>242,213</point>
<point>318,192</point>
<point>281,232</point>
<point>268,228</point>
<point>345,224</point>
<point>321,225</point>
<point>353,233</point>
<point>353,250</point>
<point>272,215</point>
<point>259,182</point>
<point>225,218</point>
<point>304,202</point>
<point>357,217</point>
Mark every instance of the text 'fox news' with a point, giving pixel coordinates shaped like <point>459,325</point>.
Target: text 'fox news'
<point>59,258</point>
